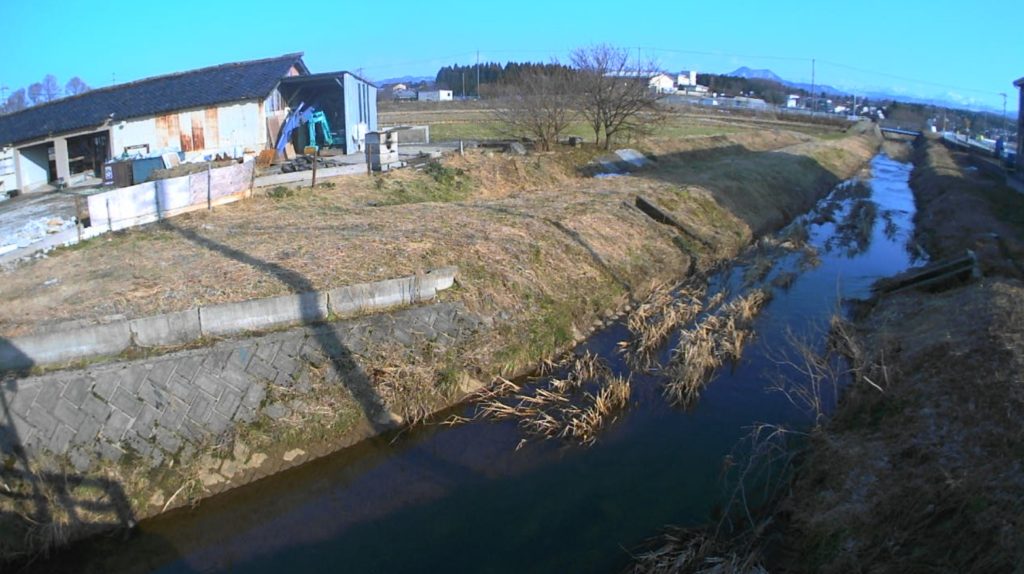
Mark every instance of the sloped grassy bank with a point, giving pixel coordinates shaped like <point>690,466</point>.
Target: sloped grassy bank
<point>921,470</point>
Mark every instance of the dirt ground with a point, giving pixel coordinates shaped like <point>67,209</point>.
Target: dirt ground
<point>923,472</point>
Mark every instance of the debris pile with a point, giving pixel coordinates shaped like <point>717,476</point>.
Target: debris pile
<point>34,230</point>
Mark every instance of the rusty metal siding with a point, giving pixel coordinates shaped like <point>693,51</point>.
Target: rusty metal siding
<point>212,128</point>
<point>167,130</point>
<point>198,137</point>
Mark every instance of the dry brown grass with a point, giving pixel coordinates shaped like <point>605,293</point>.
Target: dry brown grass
<point>919,468</point>
<point>412,382</point>
<point>657,317</point>
<point>705,347</point>
<point>694,551</point>
<point>503,233</point>
<point>560,407</point>
<point>584,424</point>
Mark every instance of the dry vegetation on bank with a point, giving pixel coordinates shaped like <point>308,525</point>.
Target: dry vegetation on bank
<point>534,241</point>
<point>920,469</point>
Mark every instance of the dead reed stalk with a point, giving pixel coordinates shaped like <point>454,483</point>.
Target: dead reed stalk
<point>705,347</point>
<point>654,321</point>
<point>553,409</point>
<point>583,424</point>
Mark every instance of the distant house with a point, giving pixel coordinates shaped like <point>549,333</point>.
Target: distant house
<point>399,88</point>
<point>435,96</point>
<point>1020,126</point>
<point>793,101</point>
<point>231,109</point>
<point>661,83</point>
<point>404,95</point>
<point>694,90</point>
<point>658,82</point>
<point>686,79</point>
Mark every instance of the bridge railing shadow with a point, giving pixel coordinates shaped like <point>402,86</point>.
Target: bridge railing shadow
<point>43,504</point>
<point>330,344</point>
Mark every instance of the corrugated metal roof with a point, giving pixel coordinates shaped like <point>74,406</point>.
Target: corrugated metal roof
<point>205,87</point>
<point>325,75</point>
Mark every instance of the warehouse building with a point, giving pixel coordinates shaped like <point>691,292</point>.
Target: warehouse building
<point>234,110</point>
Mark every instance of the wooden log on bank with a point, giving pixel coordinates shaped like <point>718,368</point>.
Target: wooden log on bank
<point>942,272</point>
<point>661,216</point>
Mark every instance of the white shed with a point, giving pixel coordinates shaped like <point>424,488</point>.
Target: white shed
<point>435,96</point>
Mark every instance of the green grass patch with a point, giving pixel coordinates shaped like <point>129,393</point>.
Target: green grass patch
<point>436,183</point>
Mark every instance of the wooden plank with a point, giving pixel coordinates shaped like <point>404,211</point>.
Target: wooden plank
<point>663,217</point>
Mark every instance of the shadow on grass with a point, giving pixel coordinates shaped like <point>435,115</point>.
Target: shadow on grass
<point>330,344</point>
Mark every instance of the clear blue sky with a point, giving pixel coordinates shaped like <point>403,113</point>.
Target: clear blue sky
<point>964,49</point>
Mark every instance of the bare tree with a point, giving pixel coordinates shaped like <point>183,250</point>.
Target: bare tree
<point>51,88</point>
<point>35,93</point>
<point>16,102</point>
<point>614,94</point>
<point>538,104</point>
<point>75,86</point>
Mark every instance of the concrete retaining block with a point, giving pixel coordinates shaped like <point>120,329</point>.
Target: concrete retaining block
<point>307,176</point>
<point>229,318</point>
<point>225,319</point>
<point>381,294</point>
<point>92,341</point>
<point>170,329</point>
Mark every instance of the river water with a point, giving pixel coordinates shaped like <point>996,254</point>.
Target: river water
<point>462,498</point>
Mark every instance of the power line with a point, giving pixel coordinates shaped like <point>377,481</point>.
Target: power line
<point>728,55</point>
<point>906,79</point>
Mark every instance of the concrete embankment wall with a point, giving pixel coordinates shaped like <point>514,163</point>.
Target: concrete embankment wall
<point>62,345</point>
<point>171,406</point>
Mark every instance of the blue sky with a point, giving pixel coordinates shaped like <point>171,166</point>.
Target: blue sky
<point>963,50</point>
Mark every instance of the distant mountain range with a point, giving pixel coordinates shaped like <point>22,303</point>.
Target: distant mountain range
<point>751,74</point>
<point>405,80</point>
<point>947,100</point>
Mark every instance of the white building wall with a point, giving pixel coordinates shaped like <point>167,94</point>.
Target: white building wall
<point>687,78</point>
<point>33,164</point>
<point>240,126</point>
<point>662,84</point>
<point>131,133</point>
<point>435,96</point>
<point>8,175</point>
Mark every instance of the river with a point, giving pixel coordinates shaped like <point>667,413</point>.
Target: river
<point>462,498</point>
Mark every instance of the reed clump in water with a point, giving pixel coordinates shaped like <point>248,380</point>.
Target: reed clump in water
<point>561,408</point>
<point>656,318</point>
<point>706,346</point>
<point>682,550</point>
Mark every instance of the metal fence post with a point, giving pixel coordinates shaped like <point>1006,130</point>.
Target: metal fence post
<point>209,195</point>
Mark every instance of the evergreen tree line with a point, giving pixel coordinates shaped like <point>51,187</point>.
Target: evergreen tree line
<point>451,77</point>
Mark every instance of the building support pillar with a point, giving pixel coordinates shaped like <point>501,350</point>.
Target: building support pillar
<point>60,156</point>
<point>17,170</point>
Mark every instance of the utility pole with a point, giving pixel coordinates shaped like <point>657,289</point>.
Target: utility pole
<point>1004,114</point>
<point>814,94</point>
<point>478,74</point>
<point>463,84</point>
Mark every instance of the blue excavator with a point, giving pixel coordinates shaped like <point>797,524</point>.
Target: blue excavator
<point>312,118</point>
